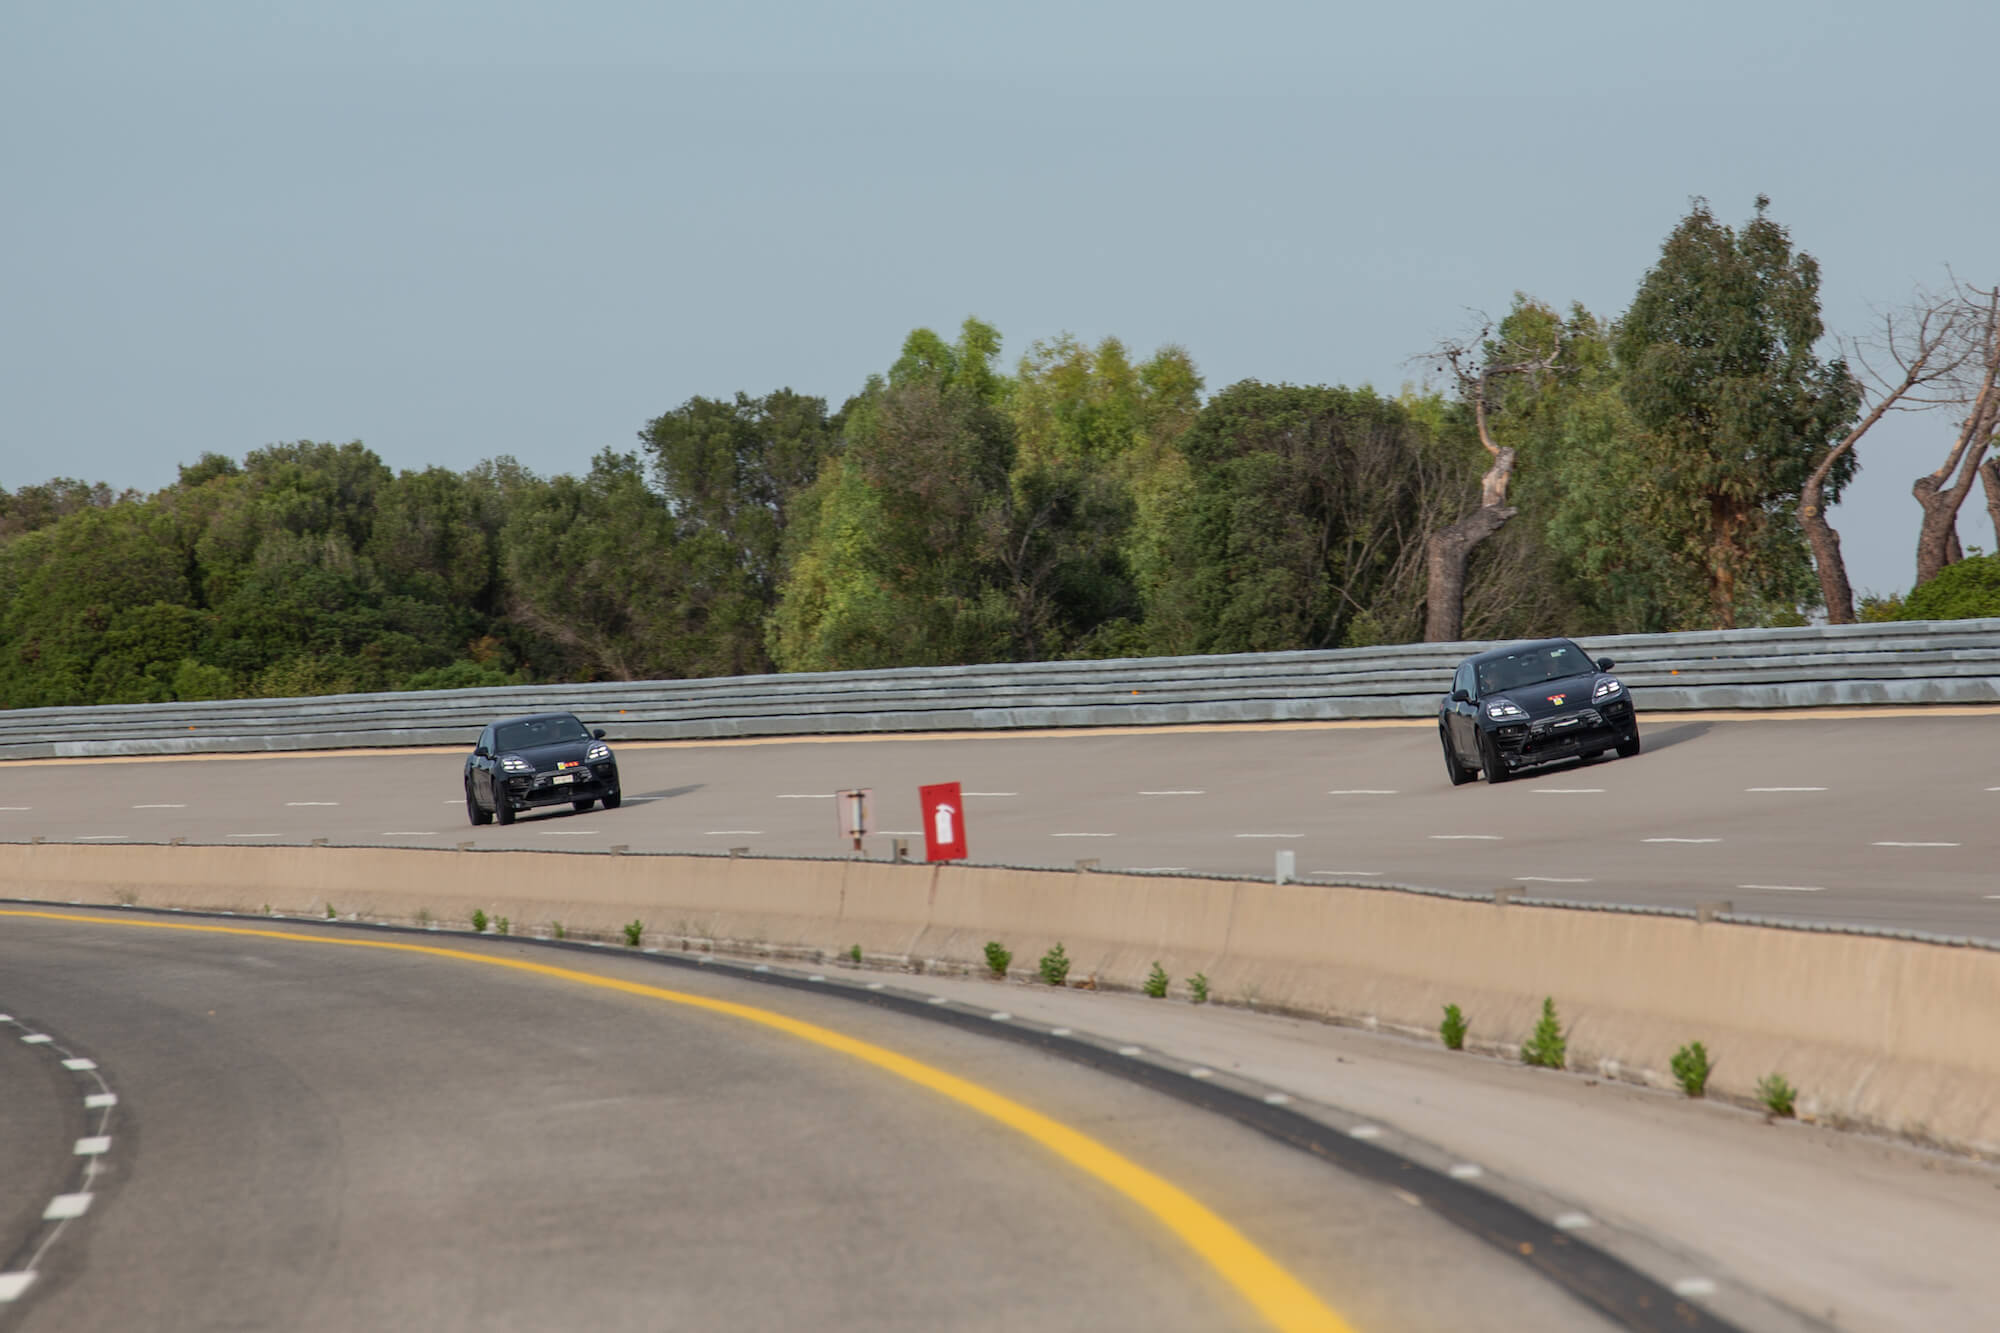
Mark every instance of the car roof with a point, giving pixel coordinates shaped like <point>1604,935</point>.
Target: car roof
<point>536,717</point>
<point>1509,650</point>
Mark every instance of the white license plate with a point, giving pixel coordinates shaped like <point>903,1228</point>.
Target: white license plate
<point>563,777</point>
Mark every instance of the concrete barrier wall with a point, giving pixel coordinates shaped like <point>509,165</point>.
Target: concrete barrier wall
<point>1895,1035</point>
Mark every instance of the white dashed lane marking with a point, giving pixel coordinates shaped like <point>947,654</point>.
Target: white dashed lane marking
<point>251,835</point>
<point>990,793</point>
<point>317,803</point>
<point>1783,888</point>
<point>1466,1171</point>
<point>1784,789</point>
<point>1083,835</point>
<point>65,1206</point>
<point>1916,844</point>
<point>94,1146</point>
<point>163,805</point>
<point>17,809</point>
<point>1572,1221</point>
<point>102,837</point>
<point>1549,879</point>
<point>37,1039</point>
<point>1364,791</point>
<point>1201,1071</point>
<point>733,833</point>
<point>1276,1099</point>
<point>1270,835</point>
<point>13,1284</point>
<point>1173,793</point>
<point>1689,1287</point>
<point>77,1064</point>
<point>1697,840</point>
<point>1465,837</point>
<point>1353,874</point>
<point>411,833</point>
<point>568,832</point>
<point>1569,791</point>
<point>1131,1050</point>
<point>805,795</point>
<point>1365,1132</point>
<point>98,1101</point>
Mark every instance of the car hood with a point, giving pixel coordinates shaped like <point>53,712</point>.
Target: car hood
<point>546,758</point>
<point>1547,698</point>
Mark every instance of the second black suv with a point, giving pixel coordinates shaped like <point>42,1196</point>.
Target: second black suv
<point>1532,703</point>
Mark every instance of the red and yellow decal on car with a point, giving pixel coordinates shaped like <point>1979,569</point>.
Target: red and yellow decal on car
<point>567,763</point>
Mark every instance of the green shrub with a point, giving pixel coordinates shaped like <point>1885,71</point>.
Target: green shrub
<point>1965,591</point>
<point>1453,1029</point>
<point>479,921</point>
<point>1690,1065</point>
<point>633,930</point>
<point>501,926</point>
<point>458,676</point>
<point>1548,1047</point>
<point>1054,966</point>
<point>1198,988</point>
<point>1157,981</point>
<point>854,955</point>
<point>1777,1095</point>
<point>330,913</point>
<point>997,958</point>
<point>557,927</point>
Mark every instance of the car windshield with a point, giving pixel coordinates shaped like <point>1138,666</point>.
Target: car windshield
<point>534,731</point>
<point>1530,665</point>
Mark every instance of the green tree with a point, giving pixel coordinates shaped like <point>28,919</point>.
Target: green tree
<point>1735,406</point>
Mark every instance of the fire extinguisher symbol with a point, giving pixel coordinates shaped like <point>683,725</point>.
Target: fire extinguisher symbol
<point>946,824</point>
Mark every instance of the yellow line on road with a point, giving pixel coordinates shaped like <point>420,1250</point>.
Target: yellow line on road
<point>1281,1298</point>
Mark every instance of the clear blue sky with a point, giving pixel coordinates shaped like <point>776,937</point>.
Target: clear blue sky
<point>456,230</point>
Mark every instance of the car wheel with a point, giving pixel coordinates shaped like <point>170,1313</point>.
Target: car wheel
<point>582,806</point>
<point>503,809</point>
<point>1489,760</point>
<point>473,811</point>
<point>1629,746</point>
<point>612,798</point>
<point>1459,773</point>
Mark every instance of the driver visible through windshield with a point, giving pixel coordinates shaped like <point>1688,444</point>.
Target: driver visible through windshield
<point>539,731</point>
<point>1527,668</point>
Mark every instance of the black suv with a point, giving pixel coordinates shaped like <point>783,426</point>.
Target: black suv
<point>546,759</point>
<point>1532,703</point>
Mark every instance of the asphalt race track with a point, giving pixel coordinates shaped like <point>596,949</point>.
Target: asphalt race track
<point>327,1137</point>
<point>1888,822</point>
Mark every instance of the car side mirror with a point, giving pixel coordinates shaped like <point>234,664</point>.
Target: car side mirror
<point>1460,697</point>
<point>481,752</point>
<point>1605,664</point>
<point>599,733</point>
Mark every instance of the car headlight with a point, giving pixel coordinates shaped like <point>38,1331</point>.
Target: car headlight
<point>599,751</point>
<point>1501,709</point>
<point>1606,687</point>
<point>514,764</point>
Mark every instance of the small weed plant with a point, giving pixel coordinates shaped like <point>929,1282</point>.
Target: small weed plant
<point>1054,966</point>
<point>424,917</point>
<point>479,921</point>
<point>557,927</point>
<point>330,913</point>
<point>1548,1047</point>
<point>633,930</point>
<point>1157,981</point>
<point>854,955</point>
<point>1198,988</point>
<point>1691,1068</point>
<point>1453,1029</point>
<point>997,957</point>
<point>502,926</point>
<point>1779,1097</point>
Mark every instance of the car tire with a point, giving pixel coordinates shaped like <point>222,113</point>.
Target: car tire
<point>1459,773</point>
<point>503,810</point>
<point>613,798</point>
<point>473,810</point>
<point>1489,761</point>
<point>1630,746</point>
<point>581,806</point>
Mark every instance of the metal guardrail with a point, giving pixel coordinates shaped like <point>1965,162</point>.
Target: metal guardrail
<point>1912,662</point>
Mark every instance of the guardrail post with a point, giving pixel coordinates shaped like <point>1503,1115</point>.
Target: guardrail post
<point>1501,897</point>
<point>1288,867</point>
<point>1706,912</point>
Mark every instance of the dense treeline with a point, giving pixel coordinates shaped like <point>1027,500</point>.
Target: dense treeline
<point>1081,504</point>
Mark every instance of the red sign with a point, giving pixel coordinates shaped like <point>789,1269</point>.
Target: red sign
<point>944,822</point>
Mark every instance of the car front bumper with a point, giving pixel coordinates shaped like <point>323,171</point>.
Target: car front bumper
<point>1565,735</point>
<point>582,783</point>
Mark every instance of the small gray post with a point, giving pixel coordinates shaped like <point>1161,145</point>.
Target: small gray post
<point>739,851</point>
<point>465,846</point>
<point>319,842</point>
<point>902,849</point>
<point>620,848</point>
<point>1288,866</point>
<point>1087,863</point>
<point>1708,911</point>
<point>1501,897</point>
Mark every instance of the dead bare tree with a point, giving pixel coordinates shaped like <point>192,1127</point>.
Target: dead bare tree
<point>1919,346</point>
<point>1976,388</point>
<point>1476,363</point>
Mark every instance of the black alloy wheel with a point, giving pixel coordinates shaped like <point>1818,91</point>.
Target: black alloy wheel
<point>1489,760</point>
<point>503,808</point>
<point>612,797</point>
<point>1630,746</point>
<point>473,810</point>
<point>1459,773</point>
